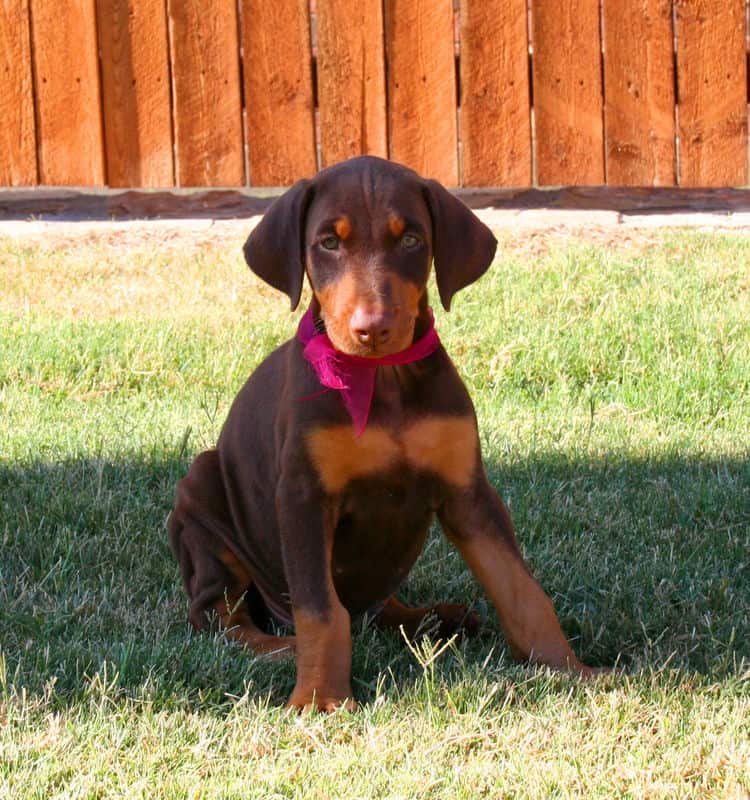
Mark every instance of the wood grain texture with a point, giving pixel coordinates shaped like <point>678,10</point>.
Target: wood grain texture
<point>351,79</point>
<point>278,91</point>
<point>66,84</point>
<point>422,87</point>
<point>567,92</point>
<point>712,87</point>
<point>17,137</point>
<point>204,51</point>
<point>135,92</point>
<point>495,107</point>
<point>639,93</point>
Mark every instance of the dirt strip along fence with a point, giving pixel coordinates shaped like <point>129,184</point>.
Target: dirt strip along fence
<point>198,93</point>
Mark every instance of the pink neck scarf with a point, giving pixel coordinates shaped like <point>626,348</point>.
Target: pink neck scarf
<point>354,376</point>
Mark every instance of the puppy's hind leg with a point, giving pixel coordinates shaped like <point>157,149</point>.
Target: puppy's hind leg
<point>214,577</point>
<point>440,621</point>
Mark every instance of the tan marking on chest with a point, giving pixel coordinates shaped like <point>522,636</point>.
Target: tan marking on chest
<point>446,446</point>
<point>339,456</point>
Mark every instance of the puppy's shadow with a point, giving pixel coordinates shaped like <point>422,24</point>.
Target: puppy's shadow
<point>645,560</point>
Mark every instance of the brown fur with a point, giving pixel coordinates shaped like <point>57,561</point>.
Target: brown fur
<point>292,517</point>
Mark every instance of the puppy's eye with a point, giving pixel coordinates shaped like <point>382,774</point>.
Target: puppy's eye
<point>410,241</point>
<point>330,242</point>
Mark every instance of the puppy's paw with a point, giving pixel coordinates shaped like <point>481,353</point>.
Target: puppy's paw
<point>309,699</point>
<point>454,618</point>
<point>590,673</point>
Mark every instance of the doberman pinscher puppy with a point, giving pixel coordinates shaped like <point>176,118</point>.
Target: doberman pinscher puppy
<point>316,501</point>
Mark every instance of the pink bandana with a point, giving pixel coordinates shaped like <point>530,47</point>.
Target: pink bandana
<point>354,376</point>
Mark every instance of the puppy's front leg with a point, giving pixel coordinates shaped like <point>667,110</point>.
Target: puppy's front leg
<point>478,523</point>
<point>322,624</point>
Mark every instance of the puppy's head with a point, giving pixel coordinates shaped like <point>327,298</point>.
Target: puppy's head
<point>366,231</point>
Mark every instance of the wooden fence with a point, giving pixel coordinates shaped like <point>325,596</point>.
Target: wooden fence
<point>146,93</point>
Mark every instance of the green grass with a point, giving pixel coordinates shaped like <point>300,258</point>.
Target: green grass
<point>613,390</point>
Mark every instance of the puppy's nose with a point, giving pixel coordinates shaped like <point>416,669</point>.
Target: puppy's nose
<point>370,327</point>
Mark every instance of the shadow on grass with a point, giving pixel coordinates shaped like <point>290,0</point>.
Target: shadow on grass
<point>646,560</point>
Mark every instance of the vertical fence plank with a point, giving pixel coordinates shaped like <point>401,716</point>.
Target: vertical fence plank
<point>50,58</point>
<point>351,79</point>
<point>17,142</point>
<point>135,92</point>
<point>278,91</point>
<point>567,92</point>
<point>66,78</point>
<point>206,89</point>
<point>495,109</point>
<point>639,93</point>
<point>712,88</point>
<point>422,87</point>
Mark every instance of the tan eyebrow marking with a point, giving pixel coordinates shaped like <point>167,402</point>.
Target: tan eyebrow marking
<point>396,224</point>
<point>343,227</point>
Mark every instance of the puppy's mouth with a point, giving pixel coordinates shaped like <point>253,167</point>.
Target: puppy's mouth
<point>374,351</point>
<point>349,342</point>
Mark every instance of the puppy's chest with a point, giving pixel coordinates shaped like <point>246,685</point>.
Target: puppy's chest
<point>444,447</point>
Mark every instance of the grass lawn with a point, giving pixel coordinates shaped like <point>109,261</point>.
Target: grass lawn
<point>612,383</point>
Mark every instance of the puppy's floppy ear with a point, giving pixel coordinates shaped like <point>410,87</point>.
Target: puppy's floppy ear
<point>275,250</point>
<point>462,245</point>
